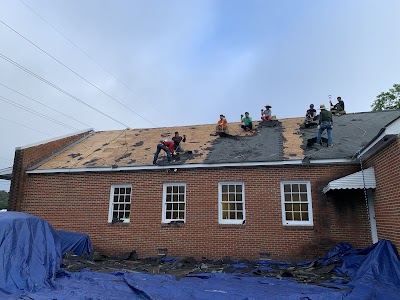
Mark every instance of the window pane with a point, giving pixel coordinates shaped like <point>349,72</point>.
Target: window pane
<point>127,215</point>
<point>175,189</point>
<point>182,206</point>
<point>121,215</point>
<point>225,197</point>
<point>168,215</point>
<point>181,198</point>
<point>238,188</point>
<point>224,188</point>
<point>304,216</point>
<point>168,198</point>
<point>169,189</point>
<point>239,206</point>
<point>128,198</point>
<point>304,207</point>
<point>128,207</point>
<point>181,215</point>
<point>303,188</point>
<point>175,206</point>
<point>288,207</point>
<point>303,197</point>
<point>289,216</point>
<point>231,196</point>
<point>232,215</point>
<point>296,207</point>
<point>115,214</point>
<point>225,206</point>
<point>175,198</point>
<point>224,215</point>
<point>116,191</point>
<point>231,188</point>
<point>238,197</point>
<point>181,189</point>
<point>122,190</point>
<point>115,206</point>
<point>169,206</point>
<point>295,188</point>
<point>128,191</point>
<point>115,198</point>
<point>288,198</point>
<point>286,188</point>
<point>240,215</point>
<point>174,215</point>
<point>232,206</point>
<point>296,197</point>
<point>296,216</point>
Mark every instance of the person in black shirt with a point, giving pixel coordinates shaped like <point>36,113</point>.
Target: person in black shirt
<point>177,140</point>
<point>338,108</point>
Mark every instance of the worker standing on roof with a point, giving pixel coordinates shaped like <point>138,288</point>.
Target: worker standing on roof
<point>325,122</point>
<point>177,140</point>
<point>168,147</point>
<point>222,126</point>
<point>247,122</point>
<point>267,113</point>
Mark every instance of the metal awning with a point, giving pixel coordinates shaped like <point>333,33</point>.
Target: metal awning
<point>6,173</point>
<point>353,181</point>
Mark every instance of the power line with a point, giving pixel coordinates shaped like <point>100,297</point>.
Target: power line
<point>91,58</point>
<point>36,113</point>
<point>74,72</point>
<point>27,127</point>
<point>59,89</point>
<point>60,112</point>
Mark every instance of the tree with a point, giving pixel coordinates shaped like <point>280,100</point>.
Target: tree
<point>388,100</point>
<point>3,199</point>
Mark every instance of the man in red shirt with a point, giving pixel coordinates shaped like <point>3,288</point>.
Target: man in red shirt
<point>168,147</point>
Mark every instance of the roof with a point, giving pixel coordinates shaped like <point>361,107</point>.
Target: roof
<point>358,180</point>
<point>275,141</point>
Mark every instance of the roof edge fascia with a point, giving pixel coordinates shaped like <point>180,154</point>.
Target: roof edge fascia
<point>55,139</point>
<point>195,166</point>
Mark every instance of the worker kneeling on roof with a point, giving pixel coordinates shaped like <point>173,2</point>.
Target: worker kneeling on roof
<point>168,147</point>
<point>222,126</point>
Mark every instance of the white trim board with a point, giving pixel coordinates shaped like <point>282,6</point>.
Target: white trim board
<point>298,162</point>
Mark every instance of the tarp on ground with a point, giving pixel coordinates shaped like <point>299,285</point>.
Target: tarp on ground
<point>78,243</point>
<point>374,271</point>
<point>30,253</point>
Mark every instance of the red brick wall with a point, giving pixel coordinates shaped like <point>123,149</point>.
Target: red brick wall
<point>387,193</point>
<point>27,157</point>
<point>80,202</point>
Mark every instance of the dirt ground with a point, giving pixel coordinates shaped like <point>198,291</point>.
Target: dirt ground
<point>311,273</point>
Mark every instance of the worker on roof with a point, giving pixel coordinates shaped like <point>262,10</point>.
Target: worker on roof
<point>247,122</point>
<point>222,126</point>
<point>266,115</point>
<point>168,147</point>
<point>325,122</point>
<point>177,141</point>
<point>311,115</point>
<point>338,108</point>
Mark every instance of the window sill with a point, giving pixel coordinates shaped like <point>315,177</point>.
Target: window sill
<point>230,226</point>
<point>172,224</point>
<point>298,227</point>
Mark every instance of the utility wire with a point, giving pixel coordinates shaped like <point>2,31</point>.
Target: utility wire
<point>27,127</point>
<point>91,58</point>
<point>60,112</point>
<point>36,113</point>
<point>74,72</point>
<point>59,89</point>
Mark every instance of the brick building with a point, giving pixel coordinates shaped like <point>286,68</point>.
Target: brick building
<point>269,193</point>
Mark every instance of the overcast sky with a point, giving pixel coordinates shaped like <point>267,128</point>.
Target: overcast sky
<point>165,63</point>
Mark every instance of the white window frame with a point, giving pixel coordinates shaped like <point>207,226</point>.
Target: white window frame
<point>229,221</point>
<point>111,206</point>
<point>164,202</point>
<point>310,221</point>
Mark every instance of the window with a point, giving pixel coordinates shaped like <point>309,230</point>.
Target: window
<point>174,202</point>
<point>231,203</point>
<point>296,203</point>
<point>120,203</point>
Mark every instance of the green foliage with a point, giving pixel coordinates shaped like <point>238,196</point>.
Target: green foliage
<point>388,100</point>
<point>3,199</point>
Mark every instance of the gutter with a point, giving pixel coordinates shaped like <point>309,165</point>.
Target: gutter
<point>297,162</point>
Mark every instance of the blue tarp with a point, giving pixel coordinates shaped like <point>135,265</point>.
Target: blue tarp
<point>78,243</point>
<point>30,255</point>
